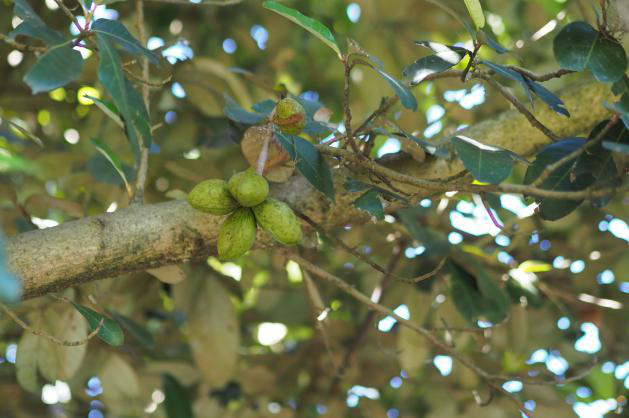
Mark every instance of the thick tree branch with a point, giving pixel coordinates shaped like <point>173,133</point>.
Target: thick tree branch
<point>137,238</point>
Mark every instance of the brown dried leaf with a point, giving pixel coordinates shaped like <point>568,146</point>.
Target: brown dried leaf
<point>279,167</point>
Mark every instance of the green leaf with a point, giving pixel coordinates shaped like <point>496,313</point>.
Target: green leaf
<point>622,107</point>
<point>436,242</point>
<point>616,147</point>
<point>310,162</point>
<point>238,114</point>
<point>110,331</point>
<point>492,42</point>
<point>116,32</point>
<point>579,46</point>
<point>55,68</point>
<point>111,76</point>
<point>370,202</point>
<point>464,293</point>
<point>353,48</point>
<point>176,401</point>
<point>10,285</point>
<point>111,156</point>
<point>423,67</point>
<point>560,179</point>
<point>406,96</point>
<point>487,164</point>
<point>139,114</point>
<point>476,12</point>
<point>102,171</point>
<point>136,330</point>
<point>548,97</point>
<point>621,86</point>
<point>311,25</point>
<point>32,25</point>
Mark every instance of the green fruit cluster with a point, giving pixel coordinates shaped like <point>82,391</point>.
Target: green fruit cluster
<point>245,198</point>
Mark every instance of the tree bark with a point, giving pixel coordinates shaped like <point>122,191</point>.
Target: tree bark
<point>141,237</point>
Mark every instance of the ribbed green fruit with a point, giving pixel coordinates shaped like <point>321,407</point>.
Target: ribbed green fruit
<point>290,116</point>
<point>248,187</point>
<point>279,220</point>
<point>212,196</point>
<point>237,234</point>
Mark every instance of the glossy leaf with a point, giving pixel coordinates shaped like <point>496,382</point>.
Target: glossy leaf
<point>57,67</point>
<point>423,67</point>
<point>579,46</point>
<point>238,114</point>
<point>116,32</point>
<point>371,203</point>
<point>111,76</point>
<point>487,164</point>
<point>492,42</point>
<point>476,12</point>
<point>140,333</point>
<point>110,331</point>
<point>310,162</point>
<point>513,75</point>
<point>111,156</point>
<point>32,25</point>
<point>407,98</point>
<point>311,25</point>
<point>559,180</point>
<point>176,401</point>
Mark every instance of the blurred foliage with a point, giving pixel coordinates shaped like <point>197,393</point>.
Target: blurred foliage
<point>241,339</point>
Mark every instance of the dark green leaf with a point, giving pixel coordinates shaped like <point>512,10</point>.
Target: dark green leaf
<point>561,179</point>
<point>464,293</point>
<point>492,42</point>
<point>55,68</point>
<point>101,169</point>
<point>140,333</point>
<point>548,97</point>
<point>264,107</point>
<point>311,25</point>
<point>116,32</point>
<point>435,242</point>
<point>110,331</point>
<point>423,67</point>
<point>176,401</point>
<point>354,48</point>
<point>310,162</point>
<point>616,147</point>
<point>111,76</point>
<point>487,164</point>
<point>139,114</point>
<point>406,96</point>
<point>111,156</point>
<point>10,285</point>
<point>579,46</point>
<point>513,75</point>
<point>370,202</point>
<point>238,114</point>
<point>622,107</point>
<point>32,25</point>
<point>621,86</point>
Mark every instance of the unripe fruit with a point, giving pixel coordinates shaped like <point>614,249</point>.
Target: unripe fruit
<point>248,187</point>
<point>279,220</point>
<point>289,115</point>
<point>237,234</point>
<point>212,196</point>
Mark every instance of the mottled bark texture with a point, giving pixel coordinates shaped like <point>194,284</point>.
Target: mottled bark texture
<point>149,236</point>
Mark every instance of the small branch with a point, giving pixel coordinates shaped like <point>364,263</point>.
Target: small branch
<point>519,105</point>
<point>347,111</point>
<point>139,79</point>
<point>540,77</point>
<point>70,15</point>
<point>47,336</point>
<point>20,46</point>
<point>548,170</point>
<point>143,166</point>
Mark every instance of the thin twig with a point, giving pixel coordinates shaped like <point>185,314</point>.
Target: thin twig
<point>138,197</point>
<point>47,336</point>
<point>347,111</point>
<point>540,77</point>
<point>548,170</point>
<point>70,15</point>
<point>20,46</point>
<point>139,79</point>
<point>519,106</point>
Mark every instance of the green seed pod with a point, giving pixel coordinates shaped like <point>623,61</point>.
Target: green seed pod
<point>248,187</point>
<point>212,196</point>
<point>279,220</point>
<point>290,116</point>
<point>237,234</point>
